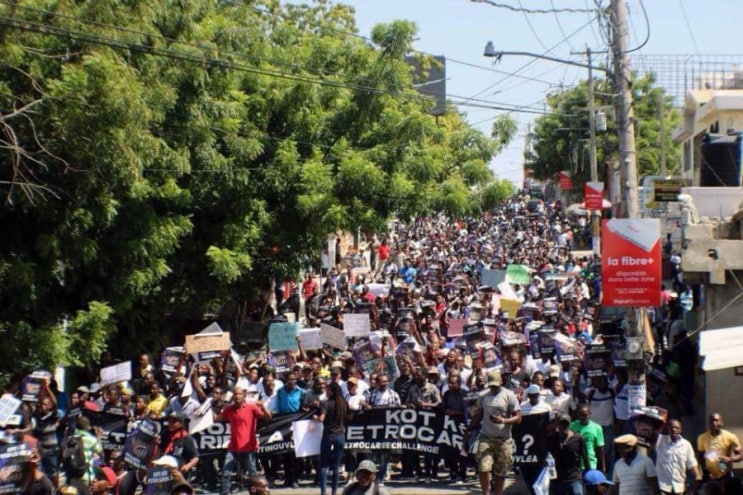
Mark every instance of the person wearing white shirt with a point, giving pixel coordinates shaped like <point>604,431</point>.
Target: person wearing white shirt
<point>534,403</point>
<point>675,457</point>
<point>634,473</point>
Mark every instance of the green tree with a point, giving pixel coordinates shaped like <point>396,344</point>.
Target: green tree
<point>164,160</point>
<point>560,138</point>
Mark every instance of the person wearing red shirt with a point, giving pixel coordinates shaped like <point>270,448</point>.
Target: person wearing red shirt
<point>383,254</point>
<point>243,418</point>
<point>309,292</point>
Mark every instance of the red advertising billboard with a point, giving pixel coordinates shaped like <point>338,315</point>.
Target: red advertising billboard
<point>630,262</point>
<point>566,182</point>
<point>594,195</point>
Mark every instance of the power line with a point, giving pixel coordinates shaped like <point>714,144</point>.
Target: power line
<point>531,28</point>
<point>533,11</point>
<point>559,24</point>
<point>512,74</point>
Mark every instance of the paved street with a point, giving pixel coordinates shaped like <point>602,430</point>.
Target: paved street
<point>514,486</point>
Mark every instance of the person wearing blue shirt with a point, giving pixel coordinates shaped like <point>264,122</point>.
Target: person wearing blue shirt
<point>289,399</point>
<point>408,273</point>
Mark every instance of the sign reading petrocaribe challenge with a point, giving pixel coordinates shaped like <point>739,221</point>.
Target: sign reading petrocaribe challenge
<point>630,263</point>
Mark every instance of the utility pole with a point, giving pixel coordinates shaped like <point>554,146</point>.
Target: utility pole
<point>661,136</point>
<point>636,317</point>
<point>595,218</point>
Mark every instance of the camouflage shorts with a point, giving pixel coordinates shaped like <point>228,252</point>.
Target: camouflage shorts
<point>494,455</point>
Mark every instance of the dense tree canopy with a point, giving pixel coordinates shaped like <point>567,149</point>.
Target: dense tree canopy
<point>160,160</point>
<point>561,138</point>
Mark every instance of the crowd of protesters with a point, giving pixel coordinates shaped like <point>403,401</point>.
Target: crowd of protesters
<point>418,283</point>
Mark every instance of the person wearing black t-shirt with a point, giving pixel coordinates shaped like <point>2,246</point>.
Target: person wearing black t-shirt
<point>332,414</point>
<point>569,450</point>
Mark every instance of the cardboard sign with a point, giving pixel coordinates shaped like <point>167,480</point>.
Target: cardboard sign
<point>356,325</point>
<point>8,407</point>
<point>492,277</point>
<point>594,195</point>
<point>631,262</point>
<point>310,338</point>
<point>456,327</point>
<point>117,373</point>
<point>518,274</point>
<point>510,306</point>
<point>283,336</point>
<point>209,342</point>
<point>334,337</point>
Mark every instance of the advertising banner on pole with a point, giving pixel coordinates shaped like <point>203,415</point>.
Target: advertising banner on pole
<point>593,193</point>
<point>566,181</point>
<point>631,262</point>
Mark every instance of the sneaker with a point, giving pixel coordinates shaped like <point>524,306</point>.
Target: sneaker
<point>380,484</point>
<point>295,485</point>
<point>459,482</point>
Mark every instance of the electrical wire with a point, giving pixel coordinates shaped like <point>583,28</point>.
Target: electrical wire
<point>559,24</point>
<point>532,11</point>
<point>531,28</point>
<point>647,29</point>
<point>215,62</point>
<point>512,74</point>
<point>688,26</point>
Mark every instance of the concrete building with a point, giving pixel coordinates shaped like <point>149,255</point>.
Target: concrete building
<point>706,111</point>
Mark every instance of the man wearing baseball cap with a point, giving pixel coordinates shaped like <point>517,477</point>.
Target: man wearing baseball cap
<point>366,472</point>
<point>596,483</point>
<point>496,411</point>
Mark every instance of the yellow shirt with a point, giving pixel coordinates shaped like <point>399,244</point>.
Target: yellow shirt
<point>714,447</point>
<point>158,404</point>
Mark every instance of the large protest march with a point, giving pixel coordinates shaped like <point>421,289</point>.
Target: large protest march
<point>442,350</point>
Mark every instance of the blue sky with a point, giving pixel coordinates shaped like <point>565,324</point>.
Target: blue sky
<point>459,30</point>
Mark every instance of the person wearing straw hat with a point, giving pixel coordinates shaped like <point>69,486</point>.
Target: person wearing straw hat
<point>634,472</point>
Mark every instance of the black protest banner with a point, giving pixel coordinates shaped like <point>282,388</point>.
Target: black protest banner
<point>114,430</point>
<point>215,437</point>
<point>158,481</point>
<point>13,467</point>
<point>530,439</point>
<point>138,449</point>
<point>429,431</point>
<point>597,359</point>
<point>275,436</point>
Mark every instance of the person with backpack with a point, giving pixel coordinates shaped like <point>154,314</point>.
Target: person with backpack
<point>79,451</point>
<point>600,398</point>
<point>365,473</point>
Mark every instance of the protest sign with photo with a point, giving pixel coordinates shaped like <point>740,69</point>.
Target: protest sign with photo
<point>363,352</point>
<point>490,358</point>
<point>171,357</point>
<point>32,385</point>
<point>565,348</point>
<point>334,337</point>
<point>510,338</point>
<point>13,467</point>
<point>473,335</point>
<point>356,325</point>
<point>386,365</point>
<point>282,336</point>
<point>279,360</point>
<point>646,423</point>
<point>138,449</point>
<point>547,340</point>
<point>121,372</point>
<point>597,359</point>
